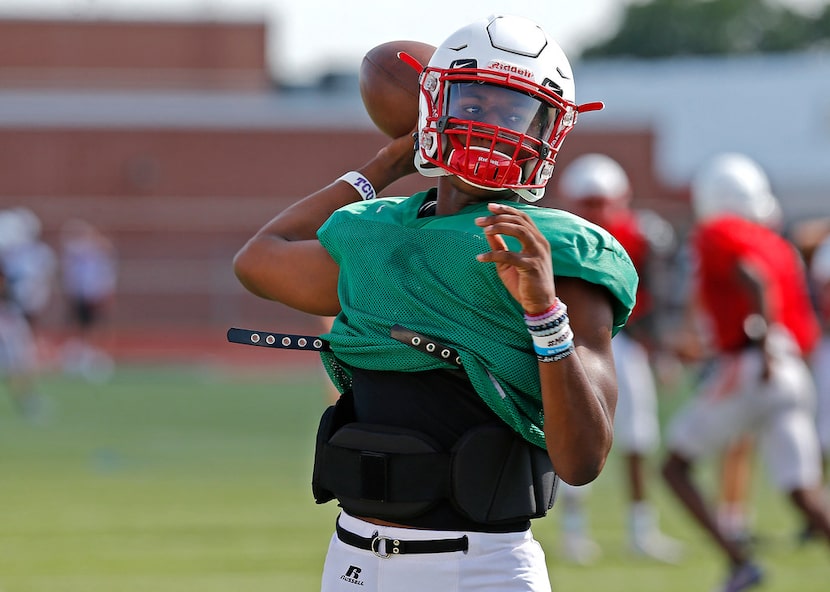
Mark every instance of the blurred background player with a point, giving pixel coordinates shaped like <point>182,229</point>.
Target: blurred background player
<point>89,271</point>
<point>31,269</point>
<point>595,187</point>
<point>820,275</point>
<point>820,361</point>
<point>750,286</point>
<point>18,356</point>
<point>30,264</point>
<point>734,512</point>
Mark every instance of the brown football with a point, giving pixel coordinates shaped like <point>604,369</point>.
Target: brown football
<point>389,86</point>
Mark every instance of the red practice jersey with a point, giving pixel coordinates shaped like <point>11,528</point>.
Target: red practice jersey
<point>719,244</point>
<point>626,230</point>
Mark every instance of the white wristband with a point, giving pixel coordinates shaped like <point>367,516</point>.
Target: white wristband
<point>360,183</point>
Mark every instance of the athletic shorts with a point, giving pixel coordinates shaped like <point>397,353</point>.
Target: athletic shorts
<point>636,425</point>
<point>494,562</point>
<point>821,372</point>
<point>734,400</point>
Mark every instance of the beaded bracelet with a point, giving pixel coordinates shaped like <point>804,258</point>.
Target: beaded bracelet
<point>555,310</point>
<point>548,331</point>
<point>547,326</point>
<point>551,333</point>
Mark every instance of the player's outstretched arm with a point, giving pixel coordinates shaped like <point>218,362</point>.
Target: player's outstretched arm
<point>285,262</point>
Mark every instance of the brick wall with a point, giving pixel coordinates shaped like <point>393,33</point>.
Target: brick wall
<point>178,202</point>
<point>132,53</point>
<point>178,205</point>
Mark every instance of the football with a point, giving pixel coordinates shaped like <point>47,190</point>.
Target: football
<point>389,85</point>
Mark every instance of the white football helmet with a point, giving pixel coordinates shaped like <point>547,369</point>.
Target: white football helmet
<point>733,183</point>
<point>594,175</point>
<point>496,102</point>
<point>29,221</point>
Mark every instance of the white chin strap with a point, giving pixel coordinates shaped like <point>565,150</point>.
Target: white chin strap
<point>531,195</point>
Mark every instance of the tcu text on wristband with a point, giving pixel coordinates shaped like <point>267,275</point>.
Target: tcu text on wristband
<point>360,183</point>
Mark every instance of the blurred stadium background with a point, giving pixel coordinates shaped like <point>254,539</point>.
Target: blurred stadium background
<point>177,141</point>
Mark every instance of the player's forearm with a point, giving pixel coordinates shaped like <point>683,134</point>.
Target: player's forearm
<point>579,392</point>
<point>302,220</point>
<point>578,419</point>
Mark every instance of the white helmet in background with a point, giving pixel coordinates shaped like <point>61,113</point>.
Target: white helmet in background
<point>29,222</point>
<point>733,183</point>
<point>504,59</point>
<point>820,262</point>
<point>594,175</point>
<point>13,233</point>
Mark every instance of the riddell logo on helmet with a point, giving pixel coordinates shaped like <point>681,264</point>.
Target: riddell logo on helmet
<point>492,161</point>
<point>510,68</point>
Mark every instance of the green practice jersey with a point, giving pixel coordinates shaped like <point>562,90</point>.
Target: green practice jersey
<point>422,273</point>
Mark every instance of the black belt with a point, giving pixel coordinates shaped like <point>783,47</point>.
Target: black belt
<point>314,343</point>
<point>398,547</point>
<point>277,340</point>
<point>425,344</point>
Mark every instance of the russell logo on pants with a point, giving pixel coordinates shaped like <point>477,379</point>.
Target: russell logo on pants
<point>352,576</point>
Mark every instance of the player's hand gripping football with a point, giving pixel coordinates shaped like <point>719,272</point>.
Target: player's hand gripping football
<point>525,273</point>
<point>396,156</point>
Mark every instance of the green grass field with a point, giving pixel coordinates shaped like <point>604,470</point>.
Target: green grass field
<point>178,479</point>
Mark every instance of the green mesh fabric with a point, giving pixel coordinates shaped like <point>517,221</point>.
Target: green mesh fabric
<point>422,273</point>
